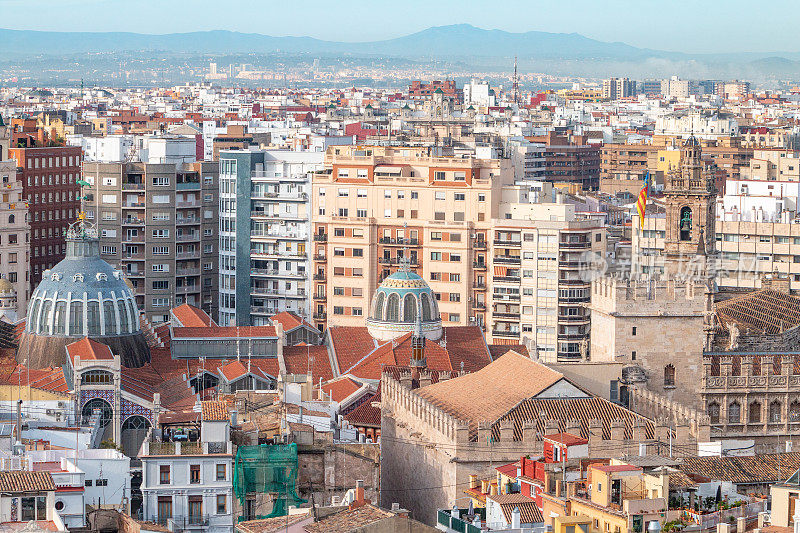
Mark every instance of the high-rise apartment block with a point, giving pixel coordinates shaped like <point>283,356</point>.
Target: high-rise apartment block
<point>614,88</point>
<point>265,234</point>
<point>571,159</point>
<point>48,176</point>
<point>158,222</point>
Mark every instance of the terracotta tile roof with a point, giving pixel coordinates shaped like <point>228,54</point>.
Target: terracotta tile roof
<point>350,344</point>
<point>271,525</point>
<point>89,350</point>
<point>296,359</point>
<point>765,310</point>
<point>215,411</point>
<point>762,468</point>
<point>191,316</point>
<point>350,520</point>
<point>679,479</point>
<point>491,392</point>
<point>233,370</point>
<point>366,414</point>
<point>49,379</point>
<point>529,513</point>
<point>564,410</point>
<point>498,350</point>
<point>26,481</point>
<point>289,321</point>
<point>339,389</point>
<point>220,332</point>
<point>567,439</point>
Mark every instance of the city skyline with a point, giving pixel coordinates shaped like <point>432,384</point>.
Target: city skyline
<point>682,28</point>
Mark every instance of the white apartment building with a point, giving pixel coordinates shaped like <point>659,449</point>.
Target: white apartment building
<point>265,230</point>
<point>701,125</point>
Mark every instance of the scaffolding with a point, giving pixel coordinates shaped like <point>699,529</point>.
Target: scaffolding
<point>269,469</point>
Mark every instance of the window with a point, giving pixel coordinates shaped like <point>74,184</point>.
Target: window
<point>34,508</point>
<point>387,193</point>
<point>436,256</point>
<point>455,297</point>
<point>441,195</point>
<point>669,376</point>
<point>414,195</point>
<point>194,474</point>
<point>101,483</point>
<point>163,478</point>
<point>436,235</point>
<point>361,213</point>
<point>161,199</point>
<point>160,233</point>
<point>438,176</point>
<point>438,215</point>
<point>221,471</point>
<point>161,181</point>
<point>222,506</point>
<point>633,331</point>
<point>361,193</point>
<point>734,413</point>
<point>459,197</point>
<point>344,193</point>
<point>455,277</point>
<point>775,412</point>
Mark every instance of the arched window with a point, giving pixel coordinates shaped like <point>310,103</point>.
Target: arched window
<point>409,308</point>
<point>794,411</point>
<point>426,307</point>
<point>106,414</point>
<point>34,315</point>
<point>93,318</point>
<point>135,422</point>
<point>75,318</point>
<point>685,224</point>
<point>60,318</point>
<point>124,321</point>
<point>713,412</point>
<point>734,413</point>
<point>109,318</point>
<point>11,219</point>
<point>754,413</point>
<point>775,412</point>
<point>44,320</point>
<point>796,365</point>
<point>97,377</point>
<point>736,366</point>
<point>393,307</point>
<point>377,313</point>
<point>669,376</point>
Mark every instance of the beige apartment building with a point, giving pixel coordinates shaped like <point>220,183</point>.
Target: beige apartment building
<point>376,206</point>
<point>491,257</point>
<point>158,223</point>
<point>14,245</point>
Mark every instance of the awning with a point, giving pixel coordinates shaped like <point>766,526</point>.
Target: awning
<point>500,271</point>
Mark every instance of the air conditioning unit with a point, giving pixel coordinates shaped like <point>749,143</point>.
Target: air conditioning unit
<point>51,412</point>
<point>62,405</point>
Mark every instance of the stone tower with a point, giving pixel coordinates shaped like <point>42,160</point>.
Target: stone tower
<point>690,196</point>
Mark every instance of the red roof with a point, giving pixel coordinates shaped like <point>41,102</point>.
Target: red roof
<point>616,468</point>
<point>567,439</point>
<point>289,320</point>
<point>341,388</point>
<point>366,414</point>
<point>50,379</point>
<point>233,370</point>
<point>89,350</point>
<point>301,359</point>
<point>191,316</point>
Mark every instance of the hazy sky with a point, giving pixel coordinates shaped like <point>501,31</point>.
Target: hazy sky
<point>679,25</point>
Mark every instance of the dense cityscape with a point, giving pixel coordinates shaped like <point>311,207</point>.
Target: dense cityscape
<point>313,291</point>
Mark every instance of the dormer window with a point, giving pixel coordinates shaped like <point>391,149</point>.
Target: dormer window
<point>55,276</point>
<point>102,277</point>
<point>77,277</point>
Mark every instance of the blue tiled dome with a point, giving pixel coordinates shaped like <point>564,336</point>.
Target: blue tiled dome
<point>400,299</point>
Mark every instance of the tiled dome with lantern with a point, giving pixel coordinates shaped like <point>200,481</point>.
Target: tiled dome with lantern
<point>82,296</point>
<point>398,301</point>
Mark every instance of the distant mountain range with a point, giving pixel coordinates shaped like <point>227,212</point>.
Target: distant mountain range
<point>461,42</point>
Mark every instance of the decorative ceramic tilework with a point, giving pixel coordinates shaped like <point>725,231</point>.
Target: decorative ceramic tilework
<point>14,507</point>
<point>130,409</point>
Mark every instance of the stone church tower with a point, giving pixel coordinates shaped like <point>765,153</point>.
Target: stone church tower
<point>690,198</point>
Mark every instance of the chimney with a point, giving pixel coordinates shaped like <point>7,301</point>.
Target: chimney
<point>515,518</point>
<point>493,489</point>
<point>359,500</point>
<point>473,481</point>
<point>484,486</point>
<point>558,488</point>
<point>521,466</point>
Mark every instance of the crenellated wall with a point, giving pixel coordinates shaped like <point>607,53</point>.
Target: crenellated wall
<point>689,424</point>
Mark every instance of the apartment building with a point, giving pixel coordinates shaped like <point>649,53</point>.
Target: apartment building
<point>158,223</point>
<point>542,257</point>
<point>614,88</point>
<point>48,177</point>
<point>265,234</point>
<point>571,159</point>
<point>14,245</point>
<point>377,206</point>
<point>527,159</point>
<point>623,167</point>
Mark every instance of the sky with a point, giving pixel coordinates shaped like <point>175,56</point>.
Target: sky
<point>694,26</point>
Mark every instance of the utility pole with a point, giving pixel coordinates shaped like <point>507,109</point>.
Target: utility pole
<point>516,82</point>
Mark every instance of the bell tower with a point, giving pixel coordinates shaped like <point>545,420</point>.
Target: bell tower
<point>690,198</point>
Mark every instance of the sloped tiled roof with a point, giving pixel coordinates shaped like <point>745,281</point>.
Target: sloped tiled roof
<point>89,350</point>
<point>765,310</point>
<point>49,379</point>
<point>26,481</point>
<point>350,345</point>
<point>215,411</point>
<point>233,370</point>
<point>224,332</point>
<point>584,410</point>
<point>349,520</point>
<point>289,320</point>
<point>366,414</point>
<point>296,359</point>
<point>491,392</point>
<point>529,513</point>
<point>271,525</point>
<point>191,316</point>
<point>567,439</point>
<point>761,468</point>
<point>340,388</point>
<point>498,350</point>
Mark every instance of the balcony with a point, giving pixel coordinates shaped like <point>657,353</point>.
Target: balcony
<point>190,237</point>
<point>399,241</point>
<point>133,205</point>
<point>502,242</point>
<point>479,286</point>
<point>479,245</point>
<point>187,204</point>
<point>511,279</point>
<point>188,255</point>
<point>507,259</point>
<point>479,306</point>
<point>319,297</point>
<point>499,314</point>
<point>505,333</point>
<point>132,186</point>
<point>187,271</point>
<point>320,237</point>
<point>319,277</point>
<point>320,316</point>
<point>583,245</point>
<point>480,265</point>
<point>320,257</point>
<point>573,318</point>
<point>130,221</point>
<point>508,297</point>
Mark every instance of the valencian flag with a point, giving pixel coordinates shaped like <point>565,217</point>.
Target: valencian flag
<point>641,203</point>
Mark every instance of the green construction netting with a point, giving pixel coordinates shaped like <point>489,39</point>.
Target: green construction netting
<point>267,469</point>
